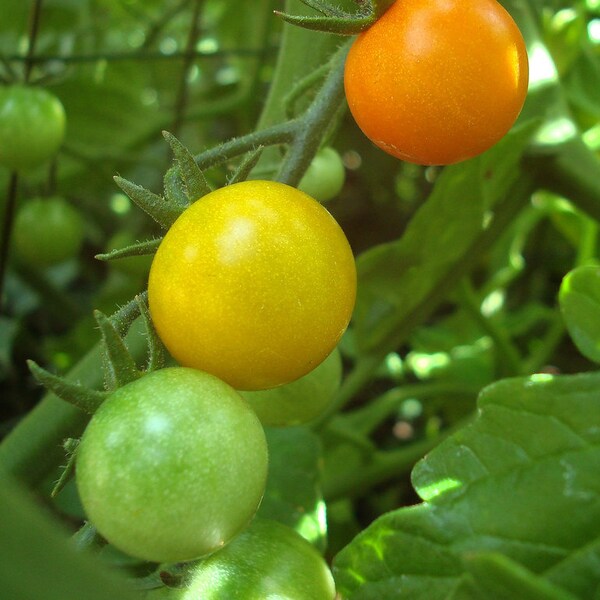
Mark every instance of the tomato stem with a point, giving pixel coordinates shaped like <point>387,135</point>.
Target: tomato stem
<point>315,122</point>
<point>182,93</point>
<point>34,26</point>
<point>509,357</point>
<point>9,216</point>
<point>384,466</point>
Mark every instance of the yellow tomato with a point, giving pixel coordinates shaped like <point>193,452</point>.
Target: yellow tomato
<point>254,283</point>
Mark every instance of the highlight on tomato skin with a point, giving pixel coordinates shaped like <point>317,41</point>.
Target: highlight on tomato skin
<point>435,83</point>
<point>254,283</point>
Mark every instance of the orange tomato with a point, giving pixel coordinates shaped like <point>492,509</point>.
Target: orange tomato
<point>437,82</point>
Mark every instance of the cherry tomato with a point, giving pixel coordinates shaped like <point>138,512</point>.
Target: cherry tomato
<point>172,465</point>
<point>47,231</point>
<point>325,175</point>
<point>32,126</point>
<point>300,401</point>
<point>435,83</point>
<point>267,560</point>
<point>255,283</point>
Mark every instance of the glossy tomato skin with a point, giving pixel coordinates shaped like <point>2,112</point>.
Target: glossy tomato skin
<point>325,175</point>
<point>172,466</point>
<point>267,560</point>
<point>300,401</point>
<point>32,126</point>
<point>436,83</point>
<point>47,231</point>
<point>254,283</point>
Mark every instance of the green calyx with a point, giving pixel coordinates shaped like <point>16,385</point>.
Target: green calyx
<point>334,20</point>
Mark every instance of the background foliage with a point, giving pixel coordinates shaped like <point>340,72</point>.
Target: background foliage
<point>475,336</point>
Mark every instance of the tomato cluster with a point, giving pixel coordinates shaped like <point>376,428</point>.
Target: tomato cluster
<point>437,82</point>
<point>251,288</point>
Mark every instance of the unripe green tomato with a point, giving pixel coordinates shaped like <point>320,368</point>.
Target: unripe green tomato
<point>325,176</point>
<point>32,126</point>
<point>172,466</point>
<point>300,401</point>
<point>267,560</point>
<point>47,231</point>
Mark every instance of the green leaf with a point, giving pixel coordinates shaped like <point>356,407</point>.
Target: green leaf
<point>495,576</point>
<point>195,183</point>
<point>138,249</point>
<point>521,481</point>
<point>175,191</point>
<point>157,353</point>
<point>324,8</point>
<point>163,212</point>
<point>293,495</point>
<point>579,299</point>
<point>338,25</point>
<point>400,282</point>
<point>246,166</point>
<point>119,365</point>
<point>583,84</point>
<point>78,395</point>
<point>37,561</point>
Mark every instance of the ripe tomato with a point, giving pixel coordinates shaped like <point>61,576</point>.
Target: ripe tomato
<point>172,465</point>
<point>300,401</point>
<point>435,83</point>
<point>32,126</point>
<point>325,175</point>
<point>254,283</point>
<point>267,560</point>
<point>47,231</point>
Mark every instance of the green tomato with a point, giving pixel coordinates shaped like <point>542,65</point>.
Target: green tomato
<point>47,231</point>
<point>267,560</point>
<point>32,126</point>
<point>172,466</point>
<point>302,400</point>
<point>325,175</point>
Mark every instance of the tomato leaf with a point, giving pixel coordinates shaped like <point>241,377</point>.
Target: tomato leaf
<point>498,577</point>
<point>339,25</point>
<point>175,191</point>
<point>246,166</point>
<point>579,299</point>
<point>119,365</point>
<point>78,395</point>
<point>195,183</point>
<point>504,484</point>
<point>152,204</point>
<point>138,249</point>
<point>401,282</point>
<point>36,560</point>
<point>293,495</point>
